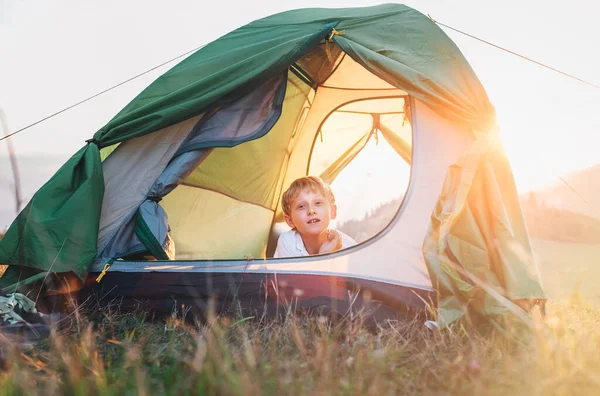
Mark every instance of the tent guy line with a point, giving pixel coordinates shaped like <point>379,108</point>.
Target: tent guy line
<point>100,93</point>
<point>514,53</point>
<point>197,48</point>
<point>580,196</point>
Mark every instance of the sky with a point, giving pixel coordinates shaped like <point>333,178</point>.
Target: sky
<point>55,53</point>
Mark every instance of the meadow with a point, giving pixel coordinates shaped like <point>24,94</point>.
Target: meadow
<point>107,351</point>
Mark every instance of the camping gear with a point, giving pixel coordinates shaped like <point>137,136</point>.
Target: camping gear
<point>22,324</point>
<point>191,172</point>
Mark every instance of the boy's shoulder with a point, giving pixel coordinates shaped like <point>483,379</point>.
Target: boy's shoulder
<point>289,244</point>
<point>293,237</point>
<point>290,238</point>
<point>289,235</point>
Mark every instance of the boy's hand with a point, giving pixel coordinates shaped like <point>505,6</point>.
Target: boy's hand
<point>333,242</point>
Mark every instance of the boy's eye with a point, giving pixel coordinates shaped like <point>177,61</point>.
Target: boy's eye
<point>319,202</point>
<point>300,206</point>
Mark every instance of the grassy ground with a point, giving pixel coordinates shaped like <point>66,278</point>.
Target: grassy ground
<point>568,268</point>
<point>108,352</point>
<point>112,353</point>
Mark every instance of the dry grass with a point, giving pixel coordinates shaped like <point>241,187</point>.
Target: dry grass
<point>568,268</point>
<point>109,352</point>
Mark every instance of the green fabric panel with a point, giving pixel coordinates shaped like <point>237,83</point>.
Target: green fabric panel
<point>58,228</point>
<point>397,43</point>
<point>418,57</point>
<point>251,171</point>
<point>360,15</point>
<point>477,249</point>
<point>249,54</point>
<point>16,277</point>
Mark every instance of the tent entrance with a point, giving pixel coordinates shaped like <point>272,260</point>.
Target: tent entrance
<point>338,121</point>
<point>218,197</point>
<point>364,151</point>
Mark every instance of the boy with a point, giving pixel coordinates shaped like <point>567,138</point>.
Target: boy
<point>309,206</point>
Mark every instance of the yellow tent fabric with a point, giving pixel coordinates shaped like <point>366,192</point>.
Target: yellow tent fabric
<point>207,225</point>
<point>251,171</point>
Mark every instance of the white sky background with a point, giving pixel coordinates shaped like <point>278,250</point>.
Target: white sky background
<point>54,53</point>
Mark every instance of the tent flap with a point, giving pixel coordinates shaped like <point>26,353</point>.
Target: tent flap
<point>477,249</point>
<point>247,118</point>
<point>149,229</point>
<point>152,228</point>
<point>245,57</point>
<point>58,228</point>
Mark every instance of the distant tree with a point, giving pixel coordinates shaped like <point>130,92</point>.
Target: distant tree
<point>373,221</point>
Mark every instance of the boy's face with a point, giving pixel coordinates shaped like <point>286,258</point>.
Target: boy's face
<point>310,213</point>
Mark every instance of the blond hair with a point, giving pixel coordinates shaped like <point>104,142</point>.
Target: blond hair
<point>310,183</point>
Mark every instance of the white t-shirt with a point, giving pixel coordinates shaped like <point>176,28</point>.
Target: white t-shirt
<point>290,244</point>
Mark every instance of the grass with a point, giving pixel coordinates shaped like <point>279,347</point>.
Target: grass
<point>568,268</point>
<point>109,352</point>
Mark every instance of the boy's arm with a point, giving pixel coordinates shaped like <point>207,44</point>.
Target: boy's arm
<point>333,242</point>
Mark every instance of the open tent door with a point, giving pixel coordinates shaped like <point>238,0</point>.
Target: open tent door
<point>228,207</point>
<point>224,208</point>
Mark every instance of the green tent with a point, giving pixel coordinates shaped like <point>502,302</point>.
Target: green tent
<point>210,145</point>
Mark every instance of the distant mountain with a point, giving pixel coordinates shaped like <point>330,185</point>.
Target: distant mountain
<point>372,223</point>
<point>581,195</point>
<point>567,211</point>
<point>560,225</point>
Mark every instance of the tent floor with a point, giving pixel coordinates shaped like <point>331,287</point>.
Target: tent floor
<point>252,294</point>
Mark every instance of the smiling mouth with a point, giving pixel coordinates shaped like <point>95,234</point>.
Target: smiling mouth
<point>313,221</point>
